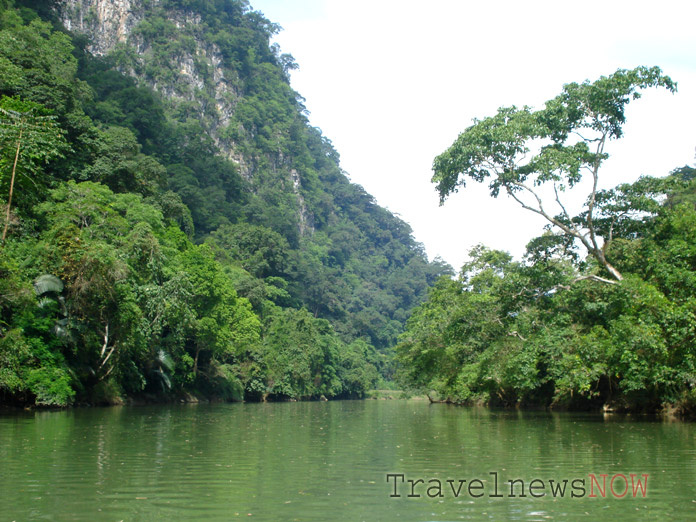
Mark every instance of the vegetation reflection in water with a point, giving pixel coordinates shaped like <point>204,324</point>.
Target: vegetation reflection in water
<point>329,461</point>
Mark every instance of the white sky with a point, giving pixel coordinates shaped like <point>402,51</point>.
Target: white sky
<point>393,82</point>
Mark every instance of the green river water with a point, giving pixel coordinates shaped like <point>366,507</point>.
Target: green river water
<point>324,461</point>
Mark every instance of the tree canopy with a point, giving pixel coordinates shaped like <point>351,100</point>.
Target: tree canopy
<point>519,150</point>
<point>547,330</point>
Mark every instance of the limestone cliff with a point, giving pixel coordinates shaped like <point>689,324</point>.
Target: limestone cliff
<point>107,23</point>
<point>211,64</point>
<point>197,74</point>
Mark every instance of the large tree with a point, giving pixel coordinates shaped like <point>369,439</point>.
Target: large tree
<point>520,149</point>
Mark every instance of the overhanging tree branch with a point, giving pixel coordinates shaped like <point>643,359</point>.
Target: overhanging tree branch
<point>498,147</point>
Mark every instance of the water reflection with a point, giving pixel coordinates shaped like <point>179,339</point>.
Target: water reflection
<point>328,461</point>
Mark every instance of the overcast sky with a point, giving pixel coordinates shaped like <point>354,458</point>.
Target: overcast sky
<point>393,82</point>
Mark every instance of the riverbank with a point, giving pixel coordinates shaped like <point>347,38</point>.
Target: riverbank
<point>669,412</point>
<point>308,460</point>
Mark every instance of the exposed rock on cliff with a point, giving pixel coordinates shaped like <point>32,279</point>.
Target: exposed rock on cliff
<point>107,23</point>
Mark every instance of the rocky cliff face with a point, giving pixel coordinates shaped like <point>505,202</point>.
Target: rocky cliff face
<point>107,23</point>
<point>198,77</point>
<point>195,81</point>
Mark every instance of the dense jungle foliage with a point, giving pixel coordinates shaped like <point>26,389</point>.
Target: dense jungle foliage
<point>601,312</point>
<point>173,226</point>
<point>140,261</point>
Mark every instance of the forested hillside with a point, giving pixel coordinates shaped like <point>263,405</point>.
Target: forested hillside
<point>172,223</point>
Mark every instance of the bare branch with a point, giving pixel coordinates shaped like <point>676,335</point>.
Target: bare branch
<point>594,277</point>
<point>558,200</point>
<point>106,340</point>
<point>593,194</point>
<point>107,357</point>
<point>583,138</point>
<point>106,374</point>
<point>565,228</point>
<point>514,333</point>
<point>591,277</point>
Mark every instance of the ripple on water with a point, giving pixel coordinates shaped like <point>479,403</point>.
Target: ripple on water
<point>315,461</point>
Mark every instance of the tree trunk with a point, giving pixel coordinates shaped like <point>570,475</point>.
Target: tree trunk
<point>599,255</point>
<point>195,362</point>
<point>12,180</point>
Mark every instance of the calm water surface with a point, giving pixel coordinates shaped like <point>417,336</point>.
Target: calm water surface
<point>329,461</point>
